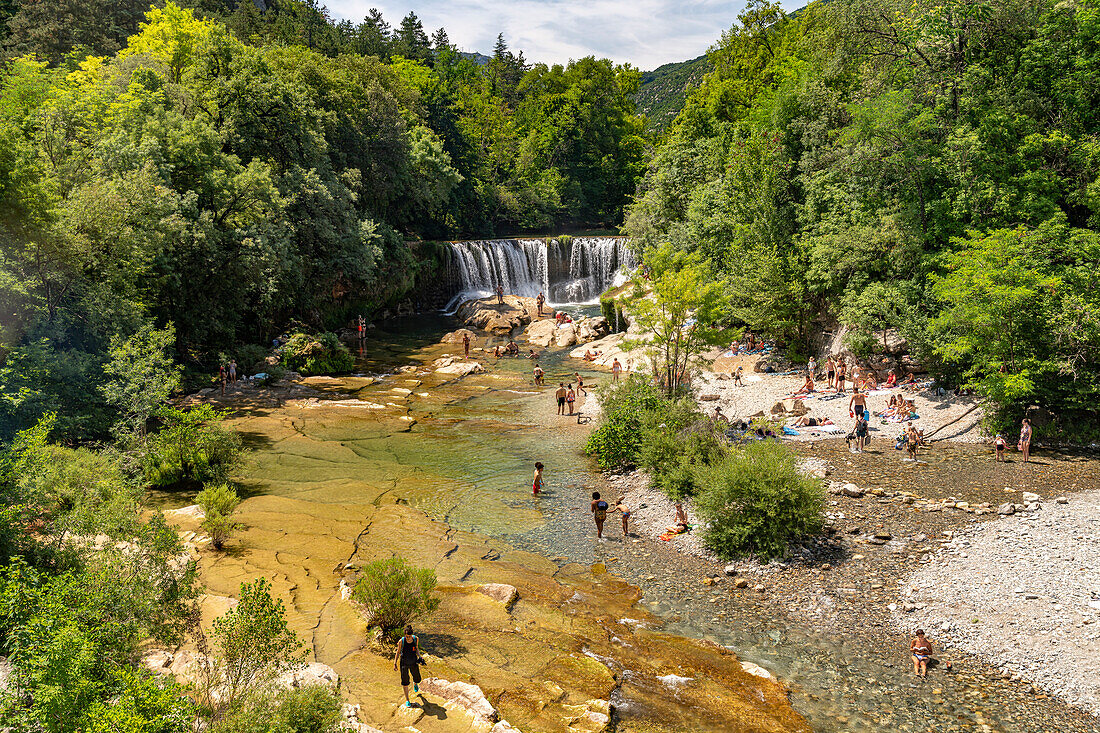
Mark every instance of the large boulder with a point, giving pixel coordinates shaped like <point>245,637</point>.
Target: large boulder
<point>500,319</point>
<point>456,366</point>
<point>455,337</point>
<point>565,335</point>
<point>464,696</point>
<point>500,592</point>
<point>541,333</point>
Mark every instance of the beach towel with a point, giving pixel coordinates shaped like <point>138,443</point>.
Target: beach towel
<point>667,536</point>
<point>790,431</point>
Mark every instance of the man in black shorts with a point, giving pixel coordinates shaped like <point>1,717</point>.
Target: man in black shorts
<point>560,395</point>
<point>408,655</point>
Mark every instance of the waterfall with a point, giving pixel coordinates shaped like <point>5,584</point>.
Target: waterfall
<point>575,271</point>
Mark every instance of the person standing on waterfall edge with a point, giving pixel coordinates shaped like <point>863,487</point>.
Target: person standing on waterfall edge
<point>500,295</point>
<point>539,301</point>
<point>408,655</point>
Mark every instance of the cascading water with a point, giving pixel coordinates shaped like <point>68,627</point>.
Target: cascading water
<point>570,271</point>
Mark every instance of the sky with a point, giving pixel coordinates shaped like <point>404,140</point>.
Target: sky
<point>645,33</point>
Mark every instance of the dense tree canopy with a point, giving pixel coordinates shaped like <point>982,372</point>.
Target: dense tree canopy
<point>224,176</point>
<point>933,167</point>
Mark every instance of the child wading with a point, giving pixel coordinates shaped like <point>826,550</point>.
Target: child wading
<point>599,513</point>
<point>536,485</point>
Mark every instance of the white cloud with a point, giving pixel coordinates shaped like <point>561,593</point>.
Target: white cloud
<point>645,33</point>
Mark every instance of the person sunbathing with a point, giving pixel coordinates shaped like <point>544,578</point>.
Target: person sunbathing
<point>589,356</point>
<point>807,387</point>
<point>870,384</point>
<point>809,422</point>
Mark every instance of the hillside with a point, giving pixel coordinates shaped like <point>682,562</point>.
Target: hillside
<point>663,91</point>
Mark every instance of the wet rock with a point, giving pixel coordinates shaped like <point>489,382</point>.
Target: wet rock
<point>452,365</point>
<point>500,592</point>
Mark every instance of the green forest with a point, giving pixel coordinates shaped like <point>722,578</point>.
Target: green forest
<point>182,183</point>
<point>933,167</point>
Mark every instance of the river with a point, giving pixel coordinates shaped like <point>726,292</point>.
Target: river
<point>461,452</point>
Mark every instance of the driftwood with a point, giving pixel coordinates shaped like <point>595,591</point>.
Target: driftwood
<point>960,417</point>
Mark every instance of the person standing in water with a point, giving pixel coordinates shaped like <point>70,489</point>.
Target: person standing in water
<point>466,345</point>
<point>1024,445</point>
<point>536,484</point>
<point>538,375</point>
<point>570,398</point>
<point>538,302</point>
<point>616,370</point>
<point>560,395</point>
<point>599,513</point>
<point>625,511</point>
<point>408,656</point>
<point>858,404</point>
<point>580,383</point>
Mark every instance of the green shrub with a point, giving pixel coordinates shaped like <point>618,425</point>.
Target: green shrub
<point>253,644</point>
<point>394,594</point>
<point>309,709</point>
<point>755,501</point>
<point>191,448</point>
<point>673,458</point>
<point>250,358</point>
<point>321,354</point>
<point>617,439</point>
<point>218,502</point>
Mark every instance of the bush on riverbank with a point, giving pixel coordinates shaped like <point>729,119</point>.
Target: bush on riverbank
<point>669,437</point>
<point>755,501</point>
<point>191,448</point>
<point>395,594</point>
<point>312,355</point>
<point>218,502</point>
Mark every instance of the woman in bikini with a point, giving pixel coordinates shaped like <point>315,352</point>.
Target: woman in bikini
<point>921,649</point>
<point>1024,445</point>
<point>570,398</point>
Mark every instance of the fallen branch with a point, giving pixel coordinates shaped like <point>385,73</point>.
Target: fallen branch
<point>960,417</point>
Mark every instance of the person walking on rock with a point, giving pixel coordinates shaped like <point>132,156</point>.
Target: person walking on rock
<point>408,657</point>
<point>599,513</point>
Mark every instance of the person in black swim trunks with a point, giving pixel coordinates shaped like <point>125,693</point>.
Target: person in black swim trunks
<point>560,395</point>
<point>408,655</point>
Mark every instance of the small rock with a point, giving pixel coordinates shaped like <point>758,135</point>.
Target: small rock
<point>1006,509</point>
<point>759,588</point>
<point>730,570</point>
<point>741,583</point>
<point>852,490</point>
<point>1029,497</point>
<point>1061,500</point>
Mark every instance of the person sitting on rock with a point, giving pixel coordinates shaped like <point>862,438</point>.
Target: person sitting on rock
<point>891,380</point>
<point>589,356</point>
<point>807,387</point>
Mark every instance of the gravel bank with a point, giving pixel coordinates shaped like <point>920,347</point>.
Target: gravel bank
<point>1022,592</point>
